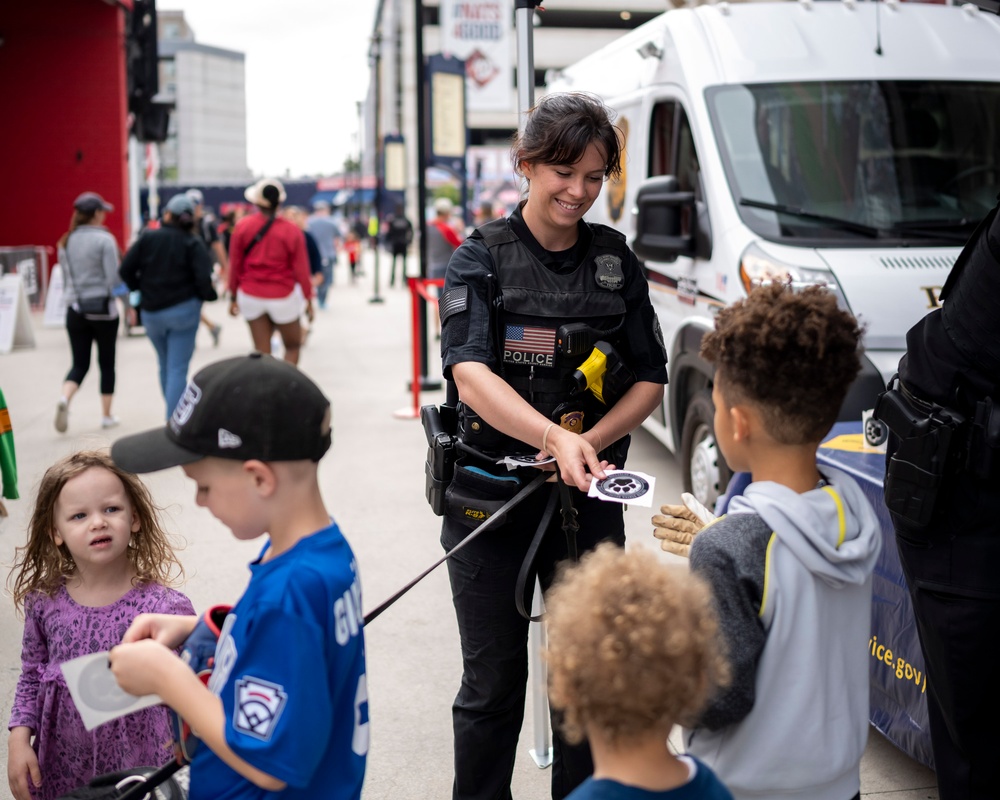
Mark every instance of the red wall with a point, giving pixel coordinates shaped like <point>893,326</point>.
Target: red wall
<point>63,127</point>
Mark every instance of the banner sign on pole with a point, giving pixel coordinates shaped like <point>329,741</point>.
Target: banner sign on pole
<point>479,33</point>
<point>449,136</point>
<point>394,153</point>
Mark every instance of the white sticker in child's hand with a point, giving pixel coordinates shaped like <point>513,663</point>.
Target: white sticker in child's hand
<point>624,486</point>
<point>96,693</point>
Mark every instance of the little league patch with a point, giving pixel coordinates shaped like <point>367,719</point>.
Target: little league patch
<point>258,707</point>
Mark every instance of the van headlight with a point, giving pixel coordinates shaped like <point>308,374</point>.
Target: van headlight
<point>757,268</point>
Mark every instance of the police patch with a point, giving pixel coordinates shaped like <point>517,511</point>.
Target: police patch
<point>258,707</point>
<point>609,272</point>
<point>525,344</point>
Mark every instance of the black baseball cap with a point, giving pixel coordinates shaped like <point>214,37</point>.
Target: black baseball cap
<point>250,407</point>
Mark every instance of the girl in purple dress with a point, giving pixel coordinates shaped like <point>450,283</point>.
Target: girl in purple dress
<point>96,557</point>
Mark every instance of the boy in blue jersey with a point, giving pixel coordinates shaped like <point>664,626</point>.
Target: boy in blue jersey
<point>633,650</point>
<point>285,709</point>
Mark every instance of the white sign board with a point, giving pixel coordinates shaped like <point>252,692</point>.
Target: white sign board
<point>15,317</point>
<point>55,309</point>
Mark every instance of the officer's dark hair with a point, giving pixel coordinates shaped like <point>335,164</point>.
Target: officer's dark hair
<point>561,126</point>
<point>790,354</point>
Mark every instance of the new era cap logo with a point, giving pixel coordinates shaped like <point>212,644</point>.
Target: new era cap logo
<point>228,441</point>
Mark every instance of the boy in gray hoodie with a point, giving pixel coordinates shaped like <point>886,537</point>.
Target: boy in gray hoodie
<point>790,564</point>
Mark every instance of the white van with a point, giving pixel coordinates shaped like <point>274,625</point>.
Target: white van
<point>849,144</point>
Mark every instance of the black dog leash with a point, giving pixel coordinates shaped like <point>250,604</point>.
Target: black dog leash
<point>525,587</point>
<point>499,515</point>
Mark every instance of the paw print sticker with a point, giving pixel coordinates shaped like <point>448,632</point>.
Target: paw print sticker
<point>623,486</point>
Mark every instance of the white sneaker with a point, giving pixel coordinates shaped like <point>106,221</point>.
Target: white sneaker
<point>109,422</point>
<point>62,415</point>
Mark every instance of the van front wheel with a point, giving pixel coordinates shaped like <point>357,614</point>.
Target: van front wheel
<point>705,471</point>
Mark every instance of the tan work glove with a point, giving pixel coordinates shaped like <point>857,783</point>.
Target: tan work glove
<point>676,526</point>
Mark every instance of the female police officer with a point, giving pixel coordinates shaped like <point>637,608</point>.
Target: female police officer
<point>525,300</point>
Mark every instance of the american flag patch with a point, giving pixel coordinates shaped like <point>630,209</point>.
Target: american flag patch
<point>525,339</point>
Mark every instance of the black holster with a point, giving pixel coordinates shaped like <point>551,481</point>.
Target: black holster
<point>440,425</point>
<point>930,440</point>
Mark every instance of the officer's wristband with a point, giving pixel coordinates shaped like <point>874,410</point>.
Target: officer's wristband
<point>545,436</point>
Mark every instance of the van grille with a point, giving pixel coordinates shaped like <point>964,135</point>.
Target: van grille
<point>916,262</point>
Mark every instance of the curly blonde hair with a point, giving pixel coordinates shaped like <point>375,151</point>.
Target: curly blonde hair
<point>42,566</point>
<point>633,645</point>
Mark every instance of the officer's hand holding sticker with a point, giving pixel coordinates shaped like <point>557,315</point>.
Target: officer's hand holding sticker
<point>576,456</point>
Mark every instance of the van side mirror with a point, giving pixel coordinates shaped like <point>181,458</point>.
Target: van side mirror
<point>665,220</point>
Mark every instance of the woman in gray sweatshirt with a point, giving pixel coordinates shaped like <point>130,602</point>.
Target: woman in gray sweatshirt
<point>88,254</point>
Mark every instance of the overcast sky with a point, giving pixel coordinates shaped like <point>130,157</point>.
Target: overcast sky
<point>306,68</point>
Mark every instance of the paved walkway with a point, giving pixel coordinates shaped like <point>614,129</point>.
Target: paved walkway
<point>359,352</point>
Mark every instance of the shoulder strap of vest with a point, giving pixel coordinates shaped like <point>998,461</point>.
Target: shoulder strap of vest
<point>494,232</point>
<point>607,238</point>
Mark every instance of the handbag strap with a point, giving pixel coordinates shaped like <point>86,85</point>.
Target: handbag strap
<point>260,235</point>
<point>69,269</point>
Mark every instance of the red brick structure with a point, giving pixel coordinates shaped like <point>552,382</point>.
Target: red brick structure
<point>63,115</point>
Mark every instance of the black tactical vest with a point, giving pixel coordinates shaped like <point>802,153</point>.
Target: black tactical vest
<point>533,303</point>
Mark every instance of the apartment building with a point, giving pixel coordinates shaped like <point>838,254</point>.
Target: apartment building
<point>207,138</point>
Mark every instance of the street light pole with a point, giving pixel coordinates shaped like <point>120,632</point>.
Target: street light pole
<point>376,53</point>
<point>418,9</point>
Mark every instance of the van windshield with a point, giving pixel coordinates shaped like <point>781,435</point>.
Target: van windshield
<point>839,161</point>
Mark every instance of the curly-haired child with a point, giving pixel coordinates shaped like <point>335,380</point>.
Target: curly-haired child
<point>633,649</point>
<point>790,564</point>
<point>96,557</point>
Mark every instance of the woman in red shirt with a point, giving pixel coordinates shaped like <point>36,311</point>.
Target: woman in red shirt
<point>269,279</point>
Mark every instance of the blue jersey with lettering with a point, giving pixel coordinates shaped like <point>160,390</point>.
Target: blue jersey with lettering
<point>290,670</point>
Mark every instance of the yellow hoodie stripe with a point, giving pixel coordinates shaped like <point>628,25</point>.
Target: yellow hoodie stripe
<point>767,573</point>
<point>841,522</point>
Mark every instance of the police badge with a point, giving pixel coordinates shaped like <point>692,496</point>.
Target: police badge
<point>609,272</point>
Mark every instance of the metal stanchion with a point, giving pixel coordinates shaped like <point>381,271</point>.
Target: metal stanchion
<point>420,298</point>
<point>541,753</point>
